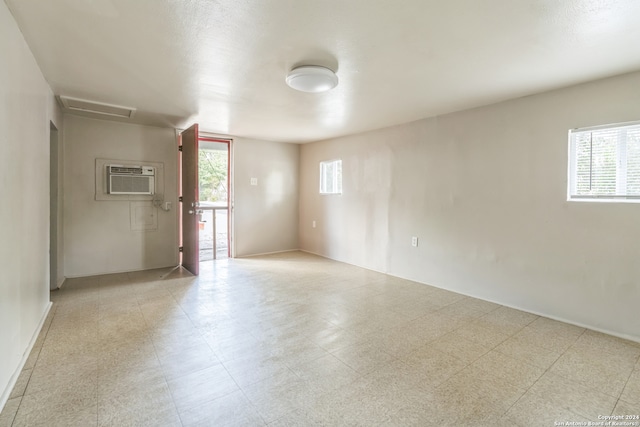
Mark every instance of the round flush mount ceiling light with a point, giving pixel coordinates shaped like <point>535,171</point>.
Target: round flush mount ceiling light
<point>312,78</point>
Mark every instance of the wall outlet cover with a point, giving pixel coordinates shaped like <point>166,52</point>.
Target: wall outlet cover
<point>144,216</point>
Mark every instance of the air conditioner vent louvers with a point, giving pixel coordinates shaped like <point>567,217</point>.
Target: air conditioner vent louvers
<point>130,179</point>
<point>126,170</point>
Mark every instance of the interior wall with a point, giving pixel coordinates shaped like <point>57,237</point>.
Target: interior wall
<point>26,110</point>
<point>57,121</point>
<point>98,235</point>
<point>485,192</point>
<point>265,214</point>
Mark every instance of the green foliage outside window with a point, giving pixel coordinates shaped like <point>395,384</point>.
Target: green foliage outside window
<point>212,171</point>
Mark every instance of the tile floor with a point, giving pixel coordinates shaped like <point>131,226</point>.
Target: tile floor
<point>297,340</point>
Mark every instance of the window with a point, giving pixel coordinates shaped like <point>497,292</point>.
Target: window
<point>331,177</point>
<point>604,163</point>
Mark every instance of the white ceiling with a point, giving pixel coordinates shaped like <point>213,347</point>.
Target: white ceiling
<point>222,63</point>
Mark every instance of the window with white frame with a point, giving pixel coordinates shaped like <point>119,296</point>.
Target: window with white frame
<point>331,177</point>
<point>604,163</point>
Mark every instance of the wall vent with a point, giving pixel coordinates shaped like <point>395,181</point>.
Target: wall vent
<point>130,179</point>
<point>82,105</point>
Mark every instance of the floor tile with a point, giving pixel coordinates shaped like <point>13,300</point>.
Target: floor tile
<point>326,373</point>
<point>293,339</point>
<point>276,398</point>
<point>514,371</point>
<point>573,396</point>
<point>65,374</point>
<point>595,370</point>
<point>631,392</point>
<point>63,401</point>
<point>230,410</point>
<point>534,411</point>
<point>624,409</point>
<point>148,403</point>
<point>420,408</point>
<point>486,337</point>
<point>250,370</point>
<point>310,417</point>
<point>547,341</point>
<point>529,352</point>
<point>506,320</point>
<point>434,365</point>
<point>474,384</point>
<point>67,418</point>
<point>555,328</point>
<point>456,345</point>
<point>199,387</point>
<point>363,358</point>
<point>21,383</point>
<point>9,412</point>
<point>187,360</point>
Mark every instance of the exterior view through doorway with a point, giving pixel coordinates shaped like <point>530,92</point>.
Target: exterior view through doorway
<point>214,160</point>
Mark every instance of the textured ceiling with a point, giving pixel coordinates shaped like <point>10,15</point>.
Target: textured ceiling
<point>223,63</point>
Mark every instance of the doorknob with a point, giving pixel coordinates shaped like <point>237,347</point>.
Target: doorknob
<point>196,212</point>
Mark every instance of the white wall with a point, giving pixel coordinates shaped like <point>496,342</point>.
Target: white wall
<point>57,120</point>
<point>98,238</point>
<point>265,215</point>
<point>485,192</point>
<point>26,109</point>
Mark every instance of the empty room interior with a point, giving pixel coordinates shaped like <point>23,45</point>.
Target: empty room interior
<point>299,213</point>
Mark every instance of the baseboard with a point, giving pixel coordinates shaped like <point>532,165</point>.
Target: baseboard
<point>537,313</point>
<point>267,253</point>
<point>349,263</point>
<point>14,378</point>
<point>73,276</point>
<point>627,337</point>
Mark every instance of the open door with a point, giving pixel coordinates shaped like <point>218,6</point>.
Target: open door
<point>190,200</point>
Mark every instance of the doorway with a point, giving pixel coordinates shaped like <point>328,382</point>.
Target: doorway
<point>214,189</point>
<point>216,158</point>
<point>53,206</point>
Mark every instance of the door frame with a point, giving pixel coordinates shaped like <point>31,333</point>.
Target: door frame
<point>54,205</point>
<point>204,136</point>
<point>230,189</point>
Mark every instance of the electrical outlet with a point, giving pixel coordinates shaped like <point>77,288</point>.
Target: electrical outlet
<point>414,241</point>
<point>254,181</point>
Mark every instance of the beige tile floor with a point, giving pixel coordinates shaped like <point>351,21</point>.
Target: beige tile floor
<point>297,340</point>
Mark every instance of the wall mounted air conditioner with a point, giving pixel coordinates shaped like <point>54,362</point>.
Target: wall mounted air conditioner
<point>130,179</point>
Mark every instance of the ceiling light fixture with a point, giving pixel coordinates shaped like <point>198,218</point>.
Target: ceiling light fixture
<point>312,78</point>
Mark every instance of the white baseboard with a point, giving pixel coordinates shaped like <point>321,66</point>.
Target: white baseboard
<point>267,253</point>
<point>349,263</point>
<point>14,378</point>
<point>538,313</point>
<point>105,273</point>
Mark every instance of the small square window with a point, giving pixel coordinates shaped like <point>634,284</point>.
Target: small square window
<point>331,177</point>
<point>604,163</point>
